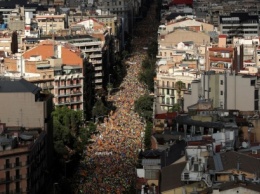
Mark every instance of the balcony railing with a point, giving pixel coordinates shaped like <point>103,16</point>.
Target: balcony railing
<point>97,68</point>
<point>96,62</point>
<point>5,180</point>
<point>166,104</point>
<point>18,164</point>
<point>69,102</point>
<point>69,94</point>
<point>98,74</point>
<point>95,56</point>
<point>69,86</point>
<point>98,81</point>
<point>8,166</point>
<point>78,44</point>
<point>18,177</point>
<point>90,49</point>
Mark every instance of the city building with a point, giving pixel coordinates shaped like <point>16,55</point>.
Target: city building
<point>226,90</point>
<point>26,143</point>
<point>221,59</point>
<point>181,22</point>
<point>50,24</point>
<point>239,24</point>
<point>183,35</point>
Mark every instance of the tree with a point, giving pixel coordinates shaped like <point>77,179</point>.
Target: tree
<point>67,124</point>
<point>175,108</point>
<point>148,135</point>
<point>99,109</point>
<point>144,106</point>
<point>179,86</point>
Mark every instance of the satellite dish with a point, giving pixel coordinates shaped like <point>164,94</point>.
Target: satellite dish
<point>244,145</point>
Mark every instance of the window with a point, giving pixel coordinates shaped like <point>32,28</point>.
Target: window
<point>7,188</point>
<point>17,187</point>
<point>17,161</point>
<point>221,82</point>
<point>221,93</point>
<point>119,2</point>
<point>7,163</point>
<point>17,174</point>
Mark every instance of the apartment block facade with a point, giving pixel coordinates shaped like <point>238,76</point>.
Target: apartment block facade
<point>25,137</point>
<point>226,90</point>
<point>239,24</point>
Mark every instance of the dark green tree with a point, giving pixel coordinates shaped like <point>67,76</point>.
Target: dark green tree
<point>88,88</point>
<point>67,124</point>
<point>148,135</point>
<point>144,106</point>
<point>99,109</point>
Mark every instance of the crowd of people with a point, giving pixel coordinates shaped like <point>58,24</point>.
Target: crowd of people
<point>110,161</point>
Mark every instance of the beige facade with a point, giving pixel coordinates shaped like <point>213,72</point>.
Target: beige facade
<point>180,35</point>
<point>27,115</point>
<point>50,23</point>
<point>228,91</point>
<point>166,87</point>
<point>191,24</point>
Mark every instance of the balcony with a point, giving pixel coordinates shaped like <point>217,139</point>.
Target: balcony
<point>69,94</point>
<point>161,94</point>
<point>7,166</point>
<point>90,49</point>
<point>18,164</point>
<point>5,180</point>
<point>95,56</point>
<point>69,86</point>
<point>17,178</point>
<point>60,103</point>
<point>98,81</point>
<point>96,62</point>
<point>79,44</point>
<point>98,74</point>
<point>98,68</point>
<point>164,86</point>
<point>166,104</point>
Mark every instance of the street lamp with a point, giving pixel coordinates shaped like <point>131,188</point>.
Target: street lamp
<point>54,189</point>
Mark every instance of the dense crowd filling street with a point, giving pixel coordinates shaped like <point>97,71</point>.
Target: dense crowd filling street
<point>111,158</point>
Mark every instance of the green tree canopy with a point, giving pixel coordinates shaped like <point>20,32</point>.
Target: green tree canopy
<point>99,109</point>
<point>144,106</point>
<point>66,126</point>
<point>148,135</point>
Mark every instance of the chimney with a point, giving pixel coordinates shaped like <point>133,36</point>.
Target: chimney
<point>222,40</point>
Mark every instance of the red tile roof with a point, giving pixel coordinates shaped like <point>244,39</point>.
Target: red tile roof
<point>68,56</point>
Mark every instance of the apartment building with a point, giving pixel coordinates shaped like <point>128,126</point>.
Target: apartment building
<point>49,24</point>
<point>167,91</point>
<point>60,75</point>
<point>124,9</point>
<point>227,90</point>
<point>182,22</point>
<point>68,87</point>
<point>223,57</point>
<point>239,24</point>
<point>25,137</point>
<point>183,35</point>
